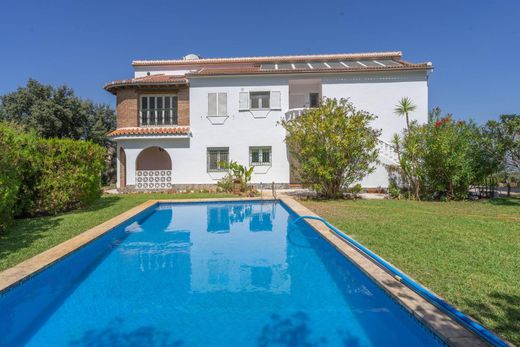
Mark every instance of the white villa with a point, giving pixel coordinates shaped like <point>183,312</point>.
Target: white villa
<point>177,120</point>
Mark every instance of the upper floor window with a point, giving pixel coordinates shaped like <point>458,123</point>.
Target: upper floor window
<point>217,104</point>
<point>158,110</point>
<point>259,100</point>
<point>260,156</point>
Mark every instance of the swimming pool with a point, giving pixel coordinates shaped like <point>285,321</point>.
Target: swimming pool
<point>207,274</point>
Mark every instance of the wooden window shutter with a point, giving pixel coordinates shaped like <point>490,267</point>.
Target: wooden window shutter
<point>222,104</point>
<point>276,100</point>
<point>212,104</point>
<point>243,102</point>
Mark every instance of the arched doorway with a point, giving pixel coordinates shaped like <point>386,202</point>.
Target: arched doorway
<point>153,169</point>
<point>122,167</point>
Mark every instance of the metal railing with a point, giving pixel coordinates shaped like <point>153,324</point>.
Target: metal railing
<point>294,113</point>
<point>387,150</point>
<point>158,117</point>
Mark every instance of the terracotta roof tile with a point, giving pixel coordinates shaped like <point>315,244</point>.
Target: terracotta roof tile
<point>209,71</point>
<point>151,80</point>
<point>282,58</point>
<point>150,131</point>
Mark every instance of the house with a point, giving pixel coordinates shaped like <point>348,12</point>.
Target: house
<point>177,120</point>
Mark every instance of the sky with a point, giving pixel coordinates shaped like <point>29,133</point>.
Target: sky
<point>473,45</point>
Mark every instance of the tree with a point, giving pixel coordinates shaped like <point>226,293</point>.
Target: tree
<point>409,150</point>
<point>59,113</point>
<point>504,135</point>
<point>404,108</point>
<point>334,145</point>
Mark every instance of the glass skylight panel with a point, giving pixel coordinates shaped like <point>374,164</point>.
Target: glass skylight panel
<point>388,62</point>
<point>267,67</point>
<point>285,66</point>
<point>369,63</point>
<point>301,66</point>
<point>336,65</point>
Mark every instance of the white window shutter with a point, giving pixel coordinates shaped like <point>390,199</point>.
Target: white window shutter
<point>212,104</point>
<point>276,100</point>
<point>243,102</point>
<point>222,104</point>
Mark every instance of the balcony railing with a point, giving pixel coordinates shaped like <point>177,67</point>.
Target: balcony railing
<point>158,117</point>
<point>294,113</point>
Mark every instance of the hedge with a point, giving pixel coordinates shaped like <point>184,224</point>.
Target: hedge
<point>46,176</point>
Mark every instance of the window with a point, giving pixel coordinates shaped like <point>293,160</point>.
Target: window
<point>158,110</point>
<point>217,104</point>
<point>216,158</point>
<point>314,99</point>
<point>260,156</point>
<point>259,100</point>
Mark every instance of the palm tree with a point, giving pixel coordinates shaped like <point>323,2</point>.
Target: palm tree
<point>403,108</point>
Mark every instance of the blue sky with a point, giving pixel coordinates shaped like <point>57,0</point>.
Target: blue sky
<point>474,45</point>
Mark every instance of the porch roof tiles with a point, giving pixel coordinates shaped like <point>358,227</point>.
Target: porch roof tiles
<point>153,80</point>
<point>135,131</point>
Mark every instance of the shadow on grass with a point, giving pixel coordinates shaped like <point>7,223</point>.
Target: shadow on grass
<point>505,201</point>
<point>24,232</point>
<point>503,310</point>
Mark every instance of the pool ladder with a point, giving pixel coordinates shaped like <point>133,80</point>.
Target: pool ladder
<point>442,305</point>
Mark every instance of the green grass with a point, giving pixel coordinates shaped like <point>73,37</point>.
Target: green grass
<point>28,237</point>
<point>467,252</point>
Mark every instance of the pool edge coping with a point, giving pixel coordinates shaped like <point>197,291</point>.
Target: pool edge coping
<point>447,329</point>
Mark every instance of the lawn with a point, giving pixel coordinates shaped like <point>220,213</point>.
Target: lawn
<point>28,237</point>
<point>467,252</point>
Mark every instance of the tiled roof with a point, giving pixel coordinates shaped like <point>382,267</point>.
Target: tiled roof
<point>214,71</point>
<point>282,58</point>
<point>150,131</point>
<point>153,80</point>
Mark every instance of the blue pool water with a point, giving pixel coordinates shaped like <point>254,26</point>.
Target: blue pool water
<point>206,274</point>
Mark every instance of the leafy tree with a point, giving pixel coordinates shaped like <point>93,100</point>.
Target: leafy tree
<point>409,150</point>
<point>504,137</point>
<point>404,108</point>
<point>334,145</point>
<point>59,113</point>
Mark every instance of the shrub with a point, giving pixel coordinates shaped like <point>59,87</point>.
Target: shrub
<point>334,146</point>
<point>45,176</point>
<point>69,175</point>
<point>10,176</point>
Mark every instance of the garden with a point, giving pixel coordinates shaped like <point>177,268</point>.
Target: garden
<point>56,159</point>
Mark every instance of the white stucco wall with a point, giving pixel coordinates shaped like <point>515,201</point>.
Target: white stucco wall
<point>377,93</point>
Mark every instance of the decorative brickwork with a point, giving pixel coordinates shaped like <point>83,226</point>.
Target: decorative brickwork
<point>127,108</point>
<point>122,168</point>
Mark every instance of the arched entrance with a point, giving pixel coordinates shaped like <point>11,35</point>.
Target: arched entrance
<point>153,169</point>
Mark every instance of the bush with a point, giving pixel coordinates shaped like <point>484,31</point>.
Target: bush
<point>10,176</point>
<point>69,175</point>
<point>334,146</point>
<point>45,176</point>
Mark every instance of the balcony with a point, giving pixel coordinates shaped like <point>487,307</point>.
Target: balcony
<point>158,117</point>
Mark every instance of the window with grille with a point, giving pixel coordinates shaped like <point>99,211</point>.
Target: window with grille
<point>158,110</point>
<point>217,159</point>
<point>217,104</point>
<point>260,156</point>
